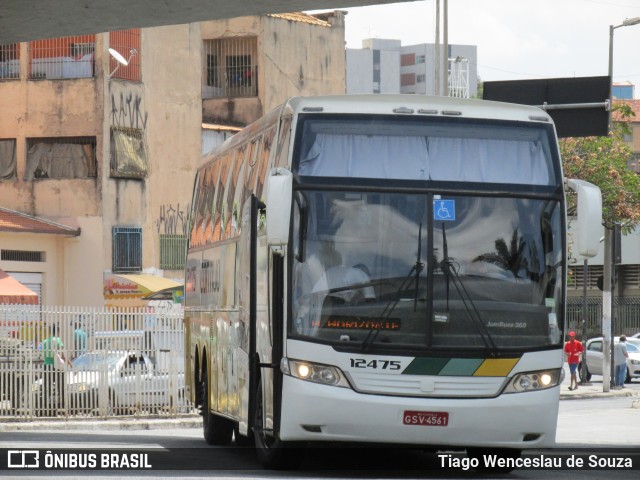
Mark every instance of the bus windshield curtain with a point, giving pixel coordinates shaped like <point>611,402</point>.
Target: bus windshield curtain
<point>434,158</point>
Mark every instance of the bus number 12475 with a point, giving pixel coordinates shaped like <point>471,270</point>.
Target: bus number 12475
<point>379,364</point>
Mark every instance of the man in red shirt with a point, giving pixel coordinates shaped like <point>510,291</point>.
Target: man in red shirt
<point>573,350</point>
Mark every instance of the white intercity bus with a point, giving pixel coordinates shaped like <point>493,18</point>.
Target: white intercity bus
<point>382,269</point>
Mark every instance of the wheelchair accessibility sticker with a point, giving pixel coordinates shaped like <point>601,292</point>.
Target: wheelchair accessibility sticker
<point>444,210</point>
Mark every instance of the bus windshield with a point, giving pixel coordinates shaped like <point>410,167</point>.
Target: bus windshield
<point>379,270</point>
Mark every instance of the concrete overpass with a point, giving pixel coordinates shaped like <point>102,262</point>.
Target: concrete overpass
<point>25,20</point>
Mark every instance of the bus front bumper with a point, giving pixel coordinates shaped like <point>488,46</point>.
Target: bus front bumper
<point>314,412</point>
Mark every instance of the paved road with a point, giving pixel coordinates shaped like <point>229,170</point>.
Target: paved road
<point>588,419</point>
<point>593,423</point>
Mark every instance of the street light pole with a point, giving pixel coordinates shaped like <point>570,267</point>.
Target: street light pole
<point>445,48</point>
<point>608,239</point>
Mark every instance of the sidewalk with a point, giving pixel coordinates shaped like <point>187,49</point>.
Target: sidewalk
<point>594,390</point>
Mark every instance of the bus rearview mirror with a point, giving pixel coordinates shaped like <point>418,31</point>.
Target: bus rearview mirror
<point>279,195</point>
<point>589,208</point>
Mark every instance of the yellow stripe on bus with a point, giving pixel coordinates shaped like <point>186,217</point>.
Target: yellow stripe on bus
<point>496,367</point>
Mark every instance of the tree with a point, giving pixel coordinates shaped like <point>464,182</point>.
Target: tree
<point>604,161</point>
<point>510,258</point>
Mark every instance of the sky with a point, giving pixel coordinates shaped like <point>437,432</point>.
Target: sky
<point>517,39</point>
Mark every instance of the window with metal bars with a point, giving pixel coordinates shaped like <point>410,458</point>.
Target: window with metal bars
<point>66,57</point>
<point>128,153</point>
<point>575,280</point>
<point>22,256</point>
<point>231,69</point>
<point>630,275</point>
<point>61,157</point>
<point>9,61</point>
<point>127,249</point>
<point>172,251</point>
<point>127,44</point>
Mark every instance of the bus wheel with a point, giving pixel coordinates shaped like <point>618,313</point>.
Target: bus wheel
<point>479,454</point>
<point>273,453</point>
<point>216,430</point>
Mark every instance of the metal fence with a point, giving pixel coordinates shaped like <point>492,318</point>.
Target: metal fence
<point>79,361</point>
<point>625,318</point>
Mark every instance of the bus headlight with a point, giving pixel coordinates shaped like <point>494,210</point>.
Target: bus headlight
<point>533,381</point>
<point>314,372</point>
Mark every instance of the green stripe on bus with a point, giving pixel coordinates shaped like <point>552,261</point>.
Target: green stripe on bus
<point>425,366</point>
<point>479,367</point>
<point>462,366</point>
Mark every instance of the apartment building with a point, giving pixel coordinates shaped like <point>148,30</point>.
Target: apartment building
<point>100,136</point>
<point>387,66</point>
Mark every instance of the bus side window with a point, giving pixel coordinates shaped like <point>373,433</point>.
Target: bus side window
<point>220,208</point>
<point>263,166</point>
<point>231,211</point>
<point>250,171</point>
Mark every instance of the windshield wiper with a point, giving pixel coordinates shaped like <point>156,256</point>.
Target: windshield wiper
<point>449,271</point>
<point>391,305</point>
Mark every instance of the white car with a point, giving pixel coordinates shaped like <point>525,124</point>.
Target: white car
<point>118,382</point>
<point>593,354</point>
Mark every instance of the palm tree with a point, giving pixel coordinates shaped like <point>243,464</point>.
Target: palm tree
<point>508,258</point>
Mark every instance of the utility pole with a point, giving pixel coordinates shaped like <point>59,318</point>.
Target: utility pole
<point>445,48</point>
<point>607,340</point>
<point>585,276</point>
<point>436,62</point>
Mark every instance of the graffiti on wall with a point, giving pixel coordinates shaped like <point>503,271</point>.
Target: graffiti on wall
<point>172,221</point>
<point>127,111</point>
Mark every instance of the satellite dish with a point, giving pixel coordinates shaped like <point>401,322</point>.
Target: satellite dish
<point>119,58</point>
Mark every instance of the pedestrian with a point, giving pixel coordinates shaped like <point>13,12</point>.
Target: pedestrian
<point>79,339</point>
<point>54,364</point>
<point>620,356</point>
<point>573,350</point>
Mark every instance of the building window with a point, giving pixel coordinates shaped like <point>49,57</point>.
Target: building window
<point>407,79</point>
<point>630,276</point>
<point>213,78</point>
<point>128,153</point>
<point>127,249</point>
<point>22,256</point>
<point>230,69</point>
<point>407,59</point>
<point>172,251</point>
<point>421,59</point>
<point>7,159</point>
<point>576,277</point>
<point>67,57</point>
<point>127,44</point>
<point>61,157</point>
<point>421,78</point>
<point>9,61</point>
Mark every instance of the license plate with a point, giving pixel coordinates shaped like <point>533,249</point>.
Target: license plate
<point>426,419</point>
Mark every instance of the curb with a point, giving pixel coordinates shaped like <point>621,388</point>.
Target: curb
<point>586,395</point>
<point>191,421</point>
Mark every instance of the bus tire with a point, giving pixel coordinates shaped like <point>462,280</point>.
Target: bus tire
<point>216,429</point>
<point>273,453</point>
<point>478,454</point>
